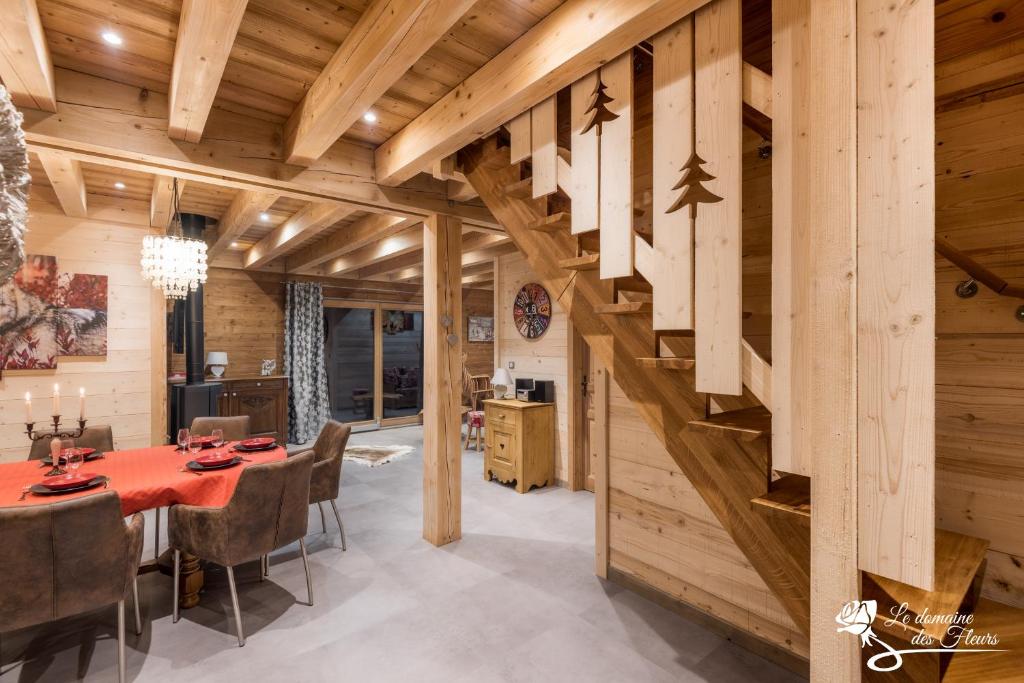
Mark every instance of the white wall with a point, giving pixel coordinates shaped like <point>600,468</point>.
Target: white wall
<point>119,386</point>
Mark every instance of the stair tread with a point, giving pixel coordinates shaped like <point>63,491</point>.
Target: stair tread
<point>624,308</point>
<point>585,262</point>
<point>1007,622</point>
<point>746,424</point>
<point>957,559</point>
<point>521,189</point>
<point>634,296</point>
<point>553,223</point>
<point>667,363</point>
<point>789,495</point>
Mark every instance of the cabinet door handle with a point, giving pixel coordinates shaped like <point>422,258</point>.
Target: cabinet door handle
<point>234,394</point>
<point>259,384</point>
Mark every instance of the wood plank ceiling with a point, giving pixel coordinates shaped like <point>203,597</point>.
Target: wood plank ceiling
<point>279,51</point>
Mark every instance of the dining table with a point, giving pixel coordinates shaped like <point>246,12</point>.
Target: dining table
<point>144,479</point>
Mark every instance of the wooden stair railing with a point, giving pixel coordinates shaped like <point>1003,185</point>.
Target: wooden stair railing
<point>976,271</point>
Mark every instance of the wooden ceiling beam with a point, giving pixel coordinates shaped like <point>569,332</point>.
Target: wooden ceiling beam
<point>243,211</point>
<point>388,266</point>
<point>161,200</point>
<point>110,124</point>
<point>409,240</point>
<point>206,32</point>
<point>477,250</point>
<point>567,45</point>
<point>301,227</point>
<point>366,230</point>
<point>65,176</point>
<point>25,65</point>
<point>390,36</point>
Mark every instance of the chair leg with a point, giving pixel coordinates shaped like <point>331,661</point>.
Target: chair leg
<point>121,662</point>
<point>234,604</point>
<point>323,520</point>
<point>138,614</point>
<point>156,537</point>
<point>262,575</point>
<point>305,563</point>
<point>334,505</point>
<point>177,572</point>
<point>266,565</point>
<point>469,433</point>
<point>478,430</point>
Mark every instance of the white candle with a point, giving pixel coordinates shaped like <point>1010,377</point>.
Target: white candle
<point>28,407</point>
<point>81,403</point>
<point>56,399</point>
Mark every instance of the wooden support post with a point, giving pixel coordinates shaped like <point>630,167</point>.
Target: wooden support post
<point>896,289</point>
<point>65,175</point>
<point>599,442</point>
<point>442,379</point>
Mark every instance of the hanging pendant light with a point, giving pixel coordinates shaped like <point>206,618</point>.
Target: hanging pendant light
<point>174,263</point>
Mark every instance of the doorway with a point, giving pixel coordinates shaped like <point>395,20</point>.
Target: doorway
<point>374,358</point>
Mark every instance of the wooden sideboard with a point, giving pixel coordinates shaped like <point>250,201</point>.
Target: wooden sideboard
<point>263,399</point>
<point>519,442</point>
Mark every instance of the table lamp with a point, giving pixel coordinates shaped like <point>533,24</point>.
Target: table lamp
<point>501,381</point>
<point>217,360</point>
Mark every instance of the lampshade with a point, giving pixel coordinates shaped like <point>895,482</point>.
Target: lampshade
<point>502,378</point>
<point>217,358</point>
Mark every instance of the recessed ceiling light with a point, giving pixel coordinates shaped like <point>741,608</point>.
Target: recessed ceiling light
<point>234,245</point>
<point>264,216</point>
<point>370,117</point>
<point>118,185</point>
<point>112,38</point>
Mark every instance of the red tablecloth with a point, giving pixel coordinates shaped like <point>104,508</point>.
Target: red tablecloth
<point>144,478</point>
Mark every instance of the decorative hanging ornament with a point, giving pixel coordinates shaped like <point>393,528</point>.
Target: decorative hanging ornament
<point>174,263</point>
<point>15,181</point>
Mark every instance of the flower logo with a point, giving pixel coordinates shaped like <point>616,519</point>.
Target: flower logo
<point>856,617</point>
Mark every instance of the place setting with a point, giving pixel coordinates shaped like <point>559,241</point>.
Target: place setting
<point>62,481</point>
<point>219,459</point>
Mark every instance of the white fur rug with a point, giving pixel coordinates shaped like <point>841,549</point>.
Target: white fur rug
<point>375,456</point>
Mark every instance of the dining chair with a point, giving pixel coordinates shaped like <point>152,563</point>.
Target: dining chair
<point>235,428</point>
<point>269,509</point>
<point>100,437</point>
<point>61,559</point>
<point>325,483</point>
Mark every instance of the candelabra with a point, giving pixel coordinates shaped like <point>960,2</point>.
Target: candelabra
<point>55,434</point>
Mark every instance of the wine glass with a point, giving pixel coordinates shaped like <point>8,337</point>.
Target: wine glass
<point>183,439</point>
<point>195,444</point>
<point>74,458</point>
<point>218,437</point>
<point>66,447</point>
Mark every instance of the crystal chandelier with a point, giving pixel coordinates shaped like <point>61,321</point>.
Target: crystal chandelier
<point>172,262</point>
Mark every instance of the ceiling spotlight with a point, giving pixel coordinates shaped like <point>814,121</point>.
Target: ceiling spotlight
<point>264,216</point>
<point>234,245</point>
<point>118,185</point>
<point>370,117</point>
<point>111,38</point>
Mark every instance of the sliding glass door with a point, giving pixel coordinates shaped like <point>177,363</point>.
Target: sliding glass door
<point>374,356</point>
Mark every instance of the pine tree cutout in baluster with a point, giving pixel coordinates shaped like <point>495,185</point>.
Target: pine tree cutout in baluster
<point>691,184</point>
<point>598,112</point>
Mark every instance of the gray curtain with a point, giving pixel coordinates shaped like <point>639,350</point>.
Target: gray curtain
<point>308,409</point>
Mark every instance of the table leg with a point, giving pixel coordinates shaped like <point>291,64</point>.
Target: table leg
<point>191,580</point>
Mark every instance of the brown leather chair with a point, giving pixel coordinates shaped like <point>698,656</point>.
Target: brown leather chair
<point>66,558</point>
<point>269,509</point>
<point>235,428</point>
<point>100,437</point>
<point>325,483</point>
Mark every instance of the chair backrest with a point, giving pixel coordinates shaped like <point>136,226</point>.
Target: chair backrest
<point>329,450</point>
<point>62,559</point>
<point>479,389</point>
<point>100,437</point>
<point>235,428</point>
<point>270,507</point>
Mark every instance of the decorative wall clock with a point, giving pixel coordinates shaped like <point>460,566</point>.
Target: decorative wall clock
<point>532,310</point>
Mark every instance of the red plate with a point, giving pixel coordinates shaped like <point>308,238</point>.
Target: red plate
<point>68,481</point>
<point>260,442</point>
<point>85,451</point>
<point>214,459</point>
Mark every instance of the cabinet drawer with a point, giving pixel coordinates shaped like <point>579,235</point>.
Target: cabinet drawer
<point>244,384</point>
<point>501,418</point>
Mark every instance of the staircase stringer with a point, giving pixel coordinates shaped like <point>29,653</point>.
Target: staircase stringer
<point>726,473</point>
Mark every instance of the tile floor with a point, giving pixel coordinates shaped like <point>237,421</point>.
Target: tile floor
<point>514,600</point>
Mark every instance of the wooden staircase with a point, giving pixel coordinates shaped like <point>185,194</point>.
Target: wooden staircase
<point>726,456</point>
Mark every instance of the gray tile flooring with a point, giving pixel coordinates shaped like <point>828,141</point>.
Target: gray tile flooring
<point>514,600</point>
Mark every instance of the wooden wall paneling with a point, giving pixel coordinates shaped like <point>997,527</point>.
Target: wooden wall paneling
<point>25,64</point>
<point>544,147</point>
<point>615,215</point>
<point>576,422</point>
<point>586,158</point>
<point>600,436</point>
<point>719,234</point>
<point>521,139</point>
<point>896,290</point>
<point>668,262</point>
<point>206,34</point>
<point>792,379</point>
<point>65,176</point>
<point>442,380</point>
